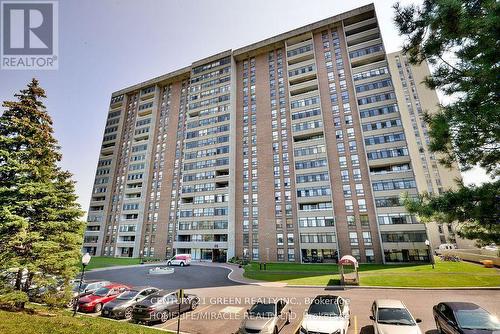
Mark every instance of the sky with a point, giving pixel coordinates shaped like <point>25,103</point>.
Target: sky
<point>107,45</point>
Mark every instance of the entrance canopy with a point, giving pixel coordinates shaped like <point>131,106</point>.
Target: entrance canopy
<point>348,260</point>
<point>350,277</point>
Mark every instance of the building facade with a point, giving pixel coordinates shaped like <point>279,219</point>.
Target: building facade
<point>295,148</point>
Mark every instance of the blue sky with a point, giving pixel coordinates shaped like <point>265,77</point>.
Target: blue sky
<point>106,45</point>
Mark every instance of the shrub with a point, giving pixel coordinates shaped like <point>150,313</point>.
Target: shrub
<point>13,299</point>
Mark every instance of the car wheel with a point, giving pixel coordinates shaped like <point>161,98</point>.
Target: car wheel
<point>169,263</point>
<point>128,313</point>
<point>98,308</point>
<point>182,264</point>
<point>164,317</point>
<point>194,305</point>
<point>71,303</point>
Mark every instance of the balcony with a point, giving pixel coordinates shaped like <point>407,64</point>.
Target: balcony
<point>201,244</point>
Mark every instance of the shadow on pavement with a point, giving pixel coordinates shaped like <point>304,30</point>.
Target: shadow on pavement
<point>366,330</point>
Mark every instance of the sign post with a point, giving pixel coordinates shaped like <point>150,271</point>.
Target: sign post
<point>180,298</point>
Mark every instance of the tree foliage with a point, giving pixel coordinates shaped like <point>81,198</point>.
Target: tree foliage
<point>460,39</point>
<point>467,206</point>
<point>40,231</point>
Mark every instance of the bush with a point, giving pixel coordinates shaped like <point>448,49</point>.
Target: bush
<point>236,260</point>
<point>13,299</point>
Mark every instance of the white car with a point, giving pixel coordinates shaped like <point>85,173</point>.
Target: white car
<point>327,314</point>
<point>391,316</point>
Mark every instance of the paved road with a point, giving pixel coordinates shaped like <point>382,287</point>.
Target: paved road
<point>223,302</point>
<point>222,308</point>
<point>188,277</point>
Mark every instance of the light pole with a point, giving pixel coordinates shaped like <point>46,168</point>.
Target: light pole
<point>431,258</point>
<point>85,261</point>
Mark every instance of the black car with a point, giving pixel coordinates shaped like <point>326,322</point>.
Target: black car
<point>464,318</point>
<point>122,306</point>
<point>161,306</point>
<point>87,288</point>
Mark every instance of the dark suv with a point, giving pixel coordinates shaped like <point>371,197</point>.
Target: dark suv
<point>161,306</point>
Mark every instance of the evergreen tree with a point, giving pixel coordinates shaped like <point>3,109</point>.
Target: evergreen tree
<point>40,231</point>
<point>460,38</point>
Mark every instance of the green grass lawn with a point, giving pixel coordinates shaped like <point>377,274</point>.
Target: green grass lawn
<point>445,274</point>
<point>64,323</point>
<point>102,262</point>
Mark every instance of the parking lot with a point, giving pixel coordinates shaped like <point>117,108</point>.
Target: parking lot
<point>224,303</point>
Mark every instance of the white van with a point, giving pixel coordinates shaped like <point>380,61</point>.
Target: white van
<point>445,247</point>
<point>180,260</point>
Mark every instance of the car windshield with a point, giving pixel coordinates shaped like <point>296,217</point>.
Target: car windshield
<point>76,285</point>
<point>477,319</point>
<point>101,292</point>
<point>395,316</point>
<point>263,310</point>
<point>128,295</point>
<point>324,307</point>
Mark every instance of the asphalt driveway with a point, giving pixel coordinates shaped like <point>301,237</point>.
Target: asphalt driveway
<point>188,277</point>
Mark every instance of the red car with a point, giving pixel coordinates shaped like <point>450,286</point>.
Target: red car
<point>95,301</point>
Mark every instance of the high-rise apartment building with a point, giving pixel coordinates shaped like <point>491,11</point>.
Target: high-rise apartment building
<point>295,148</point>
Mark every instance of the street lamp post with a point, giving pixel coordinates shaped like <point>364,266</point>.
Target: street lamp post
<point>85,261</point>
<point>429,251</point>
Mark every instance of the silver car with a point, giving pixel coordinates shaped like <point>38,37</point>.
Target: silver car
<point>391,316</point>
<point>266,318</point>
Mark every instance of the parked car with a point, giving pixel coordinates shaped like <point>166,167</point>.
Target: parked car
<point>122,306</point>
<point>95,301</point>
<point>180,260</point>
<point>464,318</point>
<point>392,316</point>
<point>266,317</point>
<point>86,289</point>
<point>161,306</point>
<point>326,314</point>
<point>443,248</point>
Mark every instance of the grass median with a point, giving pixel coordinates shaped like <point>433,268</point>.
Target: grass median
<point>61,322</point>
<point>445,274</point>
<point>103,262</point>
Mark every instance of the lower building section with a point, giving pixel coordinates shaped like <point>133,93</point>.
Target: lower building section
<point>406,255</point>
<point>205,254</point>
<point>316,255</point>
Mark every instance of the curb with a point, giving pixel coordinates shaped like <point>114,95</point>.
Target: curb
<point>339,287</point>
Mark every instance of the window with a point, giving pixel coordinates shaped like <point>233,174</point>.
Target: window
<point>290,239</point>
<point>353,238</point>
<point>343,162</point>
<point>279,239</point>
<point>349,207</point>
<point>362,205</point>
<point>351,222</point>
<point>370,256</point>
<point>359,189</point>
<point>365,222</point>
<point>367,238</point>
<point>347,190</point>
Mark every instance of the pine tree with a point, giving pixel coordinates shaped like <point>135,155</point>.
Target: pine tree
<point>460,39</point>
<point>40,231</point>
